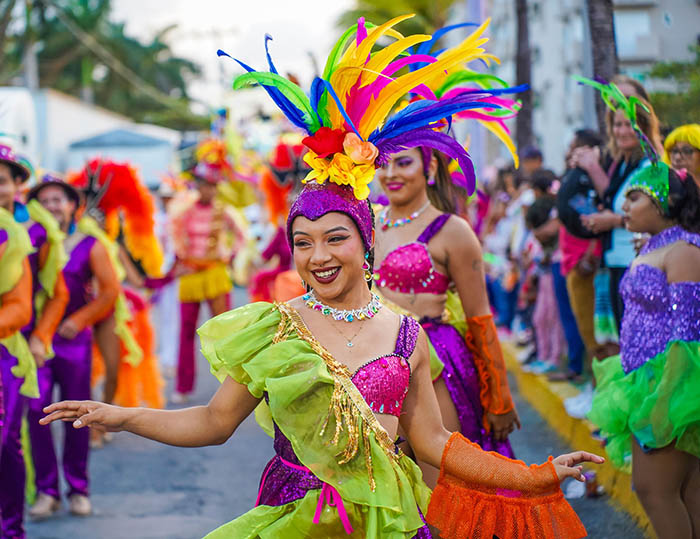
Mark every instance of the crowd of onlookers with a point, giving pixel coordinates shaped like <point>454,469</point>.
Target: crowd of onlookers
<point>556,246</point>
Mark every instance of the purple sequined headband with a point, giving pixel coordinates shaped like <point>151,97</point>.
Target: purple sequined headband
<point>316,200</point>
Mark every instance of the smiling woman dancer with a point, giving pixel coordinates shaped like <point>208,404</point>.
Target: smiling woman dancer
<point>335,414</point>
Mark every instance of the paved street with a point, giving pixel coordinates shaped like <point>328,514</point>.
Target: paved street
<point>141,489</point>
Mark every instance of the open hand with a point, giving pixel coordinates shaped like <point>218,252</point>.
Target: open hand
<point>602,221</point>
<point>568,465</point>
<point>97,415</point>
<point>585,157</point>
<point>503,424</point>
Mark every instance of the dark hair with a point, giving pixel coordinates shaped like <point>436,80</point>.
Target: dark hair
<point>542,179</point>
<point>587,137</point>
<point>684,201</point>
<point>443,194</point>
<point>540,210</point>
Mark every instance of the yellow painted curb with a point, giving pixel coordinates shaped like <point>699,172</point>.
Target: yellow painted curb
<point>548,399</point>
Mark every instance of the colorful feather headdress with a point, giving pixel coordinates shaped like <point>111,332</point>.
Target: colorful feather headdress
<point>615,100</point>
<point>114,189</point>
<point>346,113</point>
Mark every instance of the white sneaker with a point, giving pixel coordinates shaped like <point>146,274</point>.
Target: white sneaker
<point>525,353</point>
<point>579,406</point>
<point>80,505</point>
<point>45,507</point>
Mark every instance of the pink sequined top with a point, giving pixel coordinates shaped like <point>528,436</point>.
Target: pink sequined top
<point>383,382</point>
<point>409,269</point>
<point>198,233</point>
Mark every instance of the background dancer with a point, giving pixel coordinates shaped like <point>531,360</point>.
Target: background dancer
<point>72,344</point>
<point>646,401</point>
<point>49,300</point>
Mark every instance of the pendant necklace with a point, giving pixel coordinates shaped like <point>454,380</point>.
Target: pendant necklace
<point>393,223</point>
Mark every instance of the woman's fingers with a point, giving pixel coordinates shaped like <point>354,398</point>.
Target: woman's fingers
<point>64,405</point>
<point>59,414</point>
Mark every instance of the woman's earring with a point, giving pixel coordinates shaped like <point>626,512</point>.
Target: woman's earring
<point>367,269</point>
<point>431,179</point>
<point>303,283</point>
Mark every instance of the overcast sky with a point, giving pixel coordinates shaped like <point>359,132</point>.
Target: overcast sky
<point>238,27</point>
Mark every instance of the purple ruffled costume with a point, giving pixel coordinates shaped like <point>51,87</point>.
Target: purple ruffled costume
<point>409,269</point>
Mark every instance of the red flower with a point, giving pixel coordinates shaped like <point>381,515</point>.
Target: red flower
<point>325,141</point>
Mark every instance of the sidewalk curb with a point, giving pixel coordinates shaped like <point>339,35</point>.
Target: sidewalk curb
<point>548,399</point>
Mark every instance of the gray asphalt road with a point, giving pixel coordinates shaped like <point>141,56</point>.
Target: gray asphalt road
<point>145,490</point>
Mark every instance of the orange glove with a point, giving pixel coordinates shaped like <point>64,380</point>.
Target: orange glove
<point>482,341</point>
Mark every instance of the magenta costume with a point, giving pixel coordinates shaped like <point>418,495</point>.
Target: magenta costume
<point>70,369</point>
<point>12,468</point>
<point>383,382</point>
<point>409,269</point>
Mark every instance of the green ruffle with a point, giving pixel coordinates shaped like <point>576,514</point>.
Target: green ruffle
<point>134,353</point>
<point>18,247</point>
<point>658,403</point>
<point>299,386</point>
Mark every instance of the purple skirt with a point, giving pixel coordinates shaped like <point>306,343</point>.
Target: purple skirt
<point>462,381</point>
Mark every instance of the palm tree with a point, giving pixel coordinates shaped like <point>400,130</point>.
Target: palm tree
<point>523,75</point>
<point>603,48</point>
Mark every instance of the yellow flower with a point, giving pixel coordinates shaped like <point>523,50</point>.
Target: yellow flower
<point>363,175</point>
<point>341,170</point>
<point>319,168</point>
<point>358,150</point>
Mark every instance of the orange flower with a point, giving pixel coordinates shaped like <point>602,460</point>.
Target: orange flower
<point>361,152</point>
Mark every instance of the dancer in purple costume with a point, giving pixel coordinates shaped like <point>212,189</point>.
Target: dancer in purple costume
<point>70,367</point>
<point>49,291</point>
<point>646,401</point>
<point>422,251</point>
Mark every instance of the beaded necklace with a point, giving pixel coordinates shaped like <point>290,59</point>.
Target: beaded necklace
<point>363,313</point>
<point>393,223</point>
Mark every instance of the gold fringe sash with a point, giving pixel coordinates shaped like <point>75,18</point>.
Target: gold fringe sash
<point>347,406</point>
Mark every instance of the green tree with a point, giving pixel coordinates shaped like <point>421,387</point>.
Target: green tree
<point>430,14</point>
<point>683,106</point>
<point>82,52</point>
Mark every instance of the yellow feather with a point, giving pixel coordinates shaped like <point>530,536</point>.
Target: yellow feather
<point>504,137</point>
<point>378,109</point>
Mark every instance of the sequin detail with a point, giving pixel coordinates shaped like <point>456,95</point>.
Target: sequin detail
<point>384,381</point>
<point>409,269</point>
<point>657,311</point>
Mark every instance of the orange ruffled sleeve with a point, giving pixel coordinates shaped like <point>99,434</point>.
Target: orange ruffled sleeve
<point>480,495</point>
<point>16,304</point>
<point>482,341</point>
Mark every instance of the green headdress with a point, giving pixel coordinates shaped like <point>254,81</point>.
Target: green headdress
<point>652,180</point>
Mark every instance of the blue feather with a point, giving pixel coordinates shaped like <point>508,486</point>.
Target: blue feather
<point>273,69</point>
<point>290,110</point>
<point>335,97</point>
<point>317,89</point>
<point>425,47</point>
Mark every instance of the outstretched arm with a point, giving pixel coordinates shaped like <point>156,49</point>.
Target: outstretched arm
<point>197,426</point>
<point>429,438</point>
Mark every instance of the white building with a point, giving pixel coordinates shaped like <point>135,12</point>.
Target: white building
<point>646,31</point>
<point>44,125</point>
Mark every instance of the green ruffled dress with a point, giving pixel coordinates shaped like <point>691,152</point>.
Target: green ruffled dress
<point>268,348</point>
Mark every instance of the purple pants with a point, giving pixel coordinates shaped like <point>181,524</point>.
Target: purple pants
<point>70,370</point>
<point>462,381</point>
<point>12,471</point>
<point>189,312</point>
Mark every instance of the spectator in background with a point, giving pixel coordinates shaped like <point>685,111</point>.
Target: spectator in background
<point>682,149</point>
<point>609,177</point>
<point>581,250</point>
<point>546,321</point>
<point>530,161</point>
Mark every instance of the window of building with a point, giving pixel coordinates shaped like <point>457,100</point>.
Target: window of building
<point>630,25</point>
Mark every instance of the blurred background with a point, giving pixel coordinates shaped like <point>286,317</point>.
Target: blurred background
<point>139,78</point>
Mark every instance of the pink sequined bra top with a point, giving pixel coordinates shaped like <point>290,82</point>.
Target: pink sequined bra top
<point>383,382</point>
<point>409,269</point>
